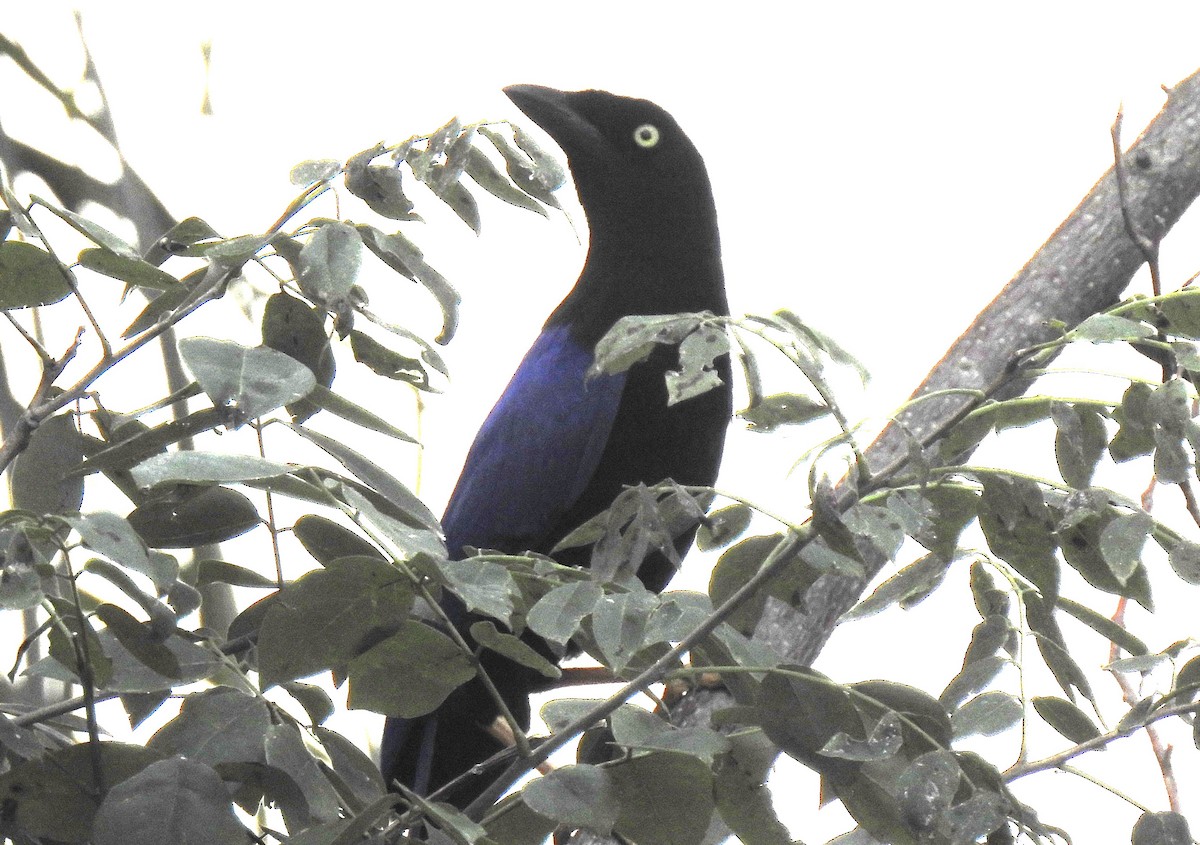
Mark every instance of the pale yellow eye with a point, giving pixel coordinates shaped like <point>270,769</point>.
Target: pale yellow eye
<point>646,135</point>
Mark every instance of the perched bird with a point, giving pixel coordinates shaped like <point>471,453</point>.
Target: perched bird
<point>559,446</point>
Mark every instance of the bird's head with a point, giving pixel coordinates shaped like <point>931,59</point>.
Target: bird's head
<point>626,155</point>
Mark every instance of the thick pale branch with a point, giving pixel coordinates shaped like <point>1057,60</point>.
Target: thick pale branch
<point>1083,268</point>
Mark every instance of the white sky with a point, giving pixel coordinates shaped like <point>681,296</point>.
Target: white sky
<point>880,168</point>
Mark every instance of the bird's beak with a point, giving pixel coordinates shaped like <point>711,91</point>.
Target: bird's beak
<point>554,111</point>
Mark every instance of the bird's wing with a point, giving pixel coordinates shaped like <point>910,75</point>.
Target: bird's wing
<point>537,450</point>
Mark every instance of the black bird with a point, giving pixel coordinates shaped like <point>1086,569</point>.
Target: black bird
<point>559,447</point>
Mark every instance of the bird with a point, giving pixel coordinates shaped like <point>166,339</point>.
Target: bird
<point>562,443</point>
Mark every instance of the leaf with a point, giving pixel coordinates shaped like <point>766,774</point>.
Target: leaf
<point>192,467</point>
<point>191,517</point>
<point>632,338</point>
<point>340,406</point>
<point>371,474</point>
<point>286,751</point>
<point>1065,718</point>
<point>537,177</point>
<point>1184,557</point>
<point>665,799</point>
<point>387,362</point>
<point>352,765</point>
<point>882,743</point>
<point>988,714</point>
<point>911,584</point>
<point>1104,626</point>
<point>246,382</point>
<point>1020,529</point>
<point>1079,441</point>
<point>314,170</point>
<point>556,615</point>
<point>329,616</point>
<point>294,328</point>
<point>485,174</point>
<point>926,789</point>
<point>219,725</point>
<point>139,640</point>
<point>619,625</point>
<point>54,796</point>
<point>722,526</point>
<point>220,572</point>
<point>401,254</point>
<point>115,538</point>
<point>1108,328</point>
<point>1136,433</point>
<point>42,475</point>
<point>430,663</point>
<point>329,264</point>
<point>132,271</point>
<point>697,373</point>
<point>1161,829</point>
<point>780,409</point>
<point>94,232</point>
<point>577,796</point>
<point>514,648</point>
<point>327,541</point>
<point>379,186</point>
<point>973,677</point>
<point>29,277</point>
<point>174,800</point>
<point>1121,543</point>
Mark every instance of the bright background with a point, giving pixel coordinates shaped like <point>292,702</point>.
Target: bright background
<point>880,168</point>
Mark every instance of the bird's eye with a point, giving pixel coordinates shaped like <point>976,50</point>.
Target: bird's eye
<point>646,135</point>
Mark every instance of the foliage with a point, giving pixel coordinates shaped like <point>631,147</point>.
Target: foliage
<point>120,606</point>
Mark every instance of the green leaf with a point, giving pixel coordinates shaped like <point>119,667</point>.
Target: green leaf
<point>1121,543</point>
<point>330,616</point>
<point>94,232</point>
<point>1040,615</point>
<point>988,714</point>
<point>79,632</point>
<point>514,648</point>
<point>218,725</point>
<point>285,751</point>
<point>619,625</point>
<point>329,264</point>
<point>697,373</point>
<point>665,799</point>
<point>1182,310</point>
<point>722,526</point>
<point>314,170</point>
<point>139,640</point>
<point>204,468</point>
<point>247,382</point>
<point>294,328</point>
<point>316,702</point>
<point>973,677</point>
<point>537,177</point>
<point>631,339</point>
<point>115,538</point>
<point>379,186</point>
<point>1079,442</point>
<point>577,796</point>
<point>132,271</point>
<point>926,789</point>
<point>1104,626</point>
<point>340,406</point>
<point>327,541</point>
<point>556,615</point>
<point>485,174</point>
<point>431,665</point>
<point>401,254</point>
<point>1185,560</point>
<point>1020,529</point>
<point>1134,415</point>
<point>29,277</point>
<point>780,409</point>
<point>221,572</point>
<point>1108,328</point>
<point>189,517</point>
<point>908,586</point>
<point>43,479</point>
<point>55,797</point>
<point>1065,718</point>
<point>1161,829</point>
